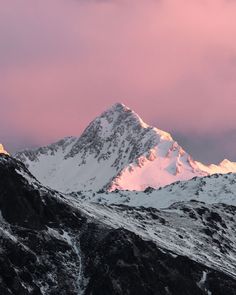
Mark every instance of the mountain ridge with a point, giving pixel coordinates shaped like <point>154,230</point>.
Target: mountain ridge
<point>116,151</point>
<point>2,150</point>
<point>211,189</point>
<point>55,244</point>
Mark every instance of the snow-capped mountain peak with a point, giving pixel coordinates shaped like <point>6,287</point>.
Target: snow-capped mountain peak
<point>226,163</point>
<point>116,151</point>
<point>120,107</point>
<point>2,150</point>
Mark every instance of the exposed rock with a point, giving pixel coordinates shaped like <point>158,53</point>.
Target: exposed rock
<point>53,245</point>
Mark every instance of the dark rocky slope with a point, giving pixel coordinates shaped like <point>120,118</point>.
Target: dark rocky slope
<point>48,246</point>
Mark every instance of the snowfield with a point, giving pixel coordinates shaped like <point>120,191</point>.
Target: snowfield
<point>216,188</point>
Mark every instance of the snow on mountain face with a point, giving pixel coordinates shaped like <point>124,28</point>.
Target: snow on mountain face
<point>54,244</point>
<point>205,233</point>
<point>2,150</point>
<point>216,188</point>
<point>116,151</point>
<point>225,166</point>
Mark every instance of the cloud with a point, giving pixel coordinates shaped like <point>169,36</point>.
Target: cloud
<point>63,62</point>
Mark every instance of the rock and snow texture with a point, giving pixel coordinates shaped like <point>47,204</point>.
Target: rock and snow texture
<point>205,233</point>
<point>216,188</point>
<point>116,151</point>
<point>54,244</point>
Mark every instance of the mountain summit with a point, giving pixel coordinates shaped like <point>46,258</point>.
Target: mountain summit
<point>116,151</point>
<point>2,150</point>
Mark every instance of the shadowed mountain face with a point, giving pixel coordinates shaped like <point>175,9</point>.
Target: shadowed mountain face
<point>53,245</point>
<point>116,151</point>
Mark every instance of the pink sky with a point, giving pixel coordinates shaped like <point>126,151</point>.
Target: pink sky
<point>172,61</point>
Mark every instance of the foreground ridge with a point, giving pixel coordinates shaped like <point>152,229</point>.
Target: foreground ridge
<point>55,244</point>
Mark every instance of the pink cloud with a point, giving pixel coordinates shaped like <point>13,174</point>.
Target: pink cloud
<point>63,62</point>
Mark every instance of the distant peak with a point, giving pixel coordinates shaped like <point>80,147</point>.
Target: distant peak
<point>226,162</point>
<point>2,150</point>
<point>119,107</point>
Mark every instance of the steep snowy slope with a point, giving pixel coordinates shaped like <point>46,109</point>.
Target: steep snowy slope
<point>205,233</point>
<point>51,244</point>
<point>216,188</point>
<point>116,151</point>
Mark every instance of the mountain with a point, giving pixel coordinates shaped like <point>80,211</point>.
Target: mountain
<point>116,151</point>
<point>2,150</point>
<point>202,232</point>
<point>56,244</point>
<point>216,188</point>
